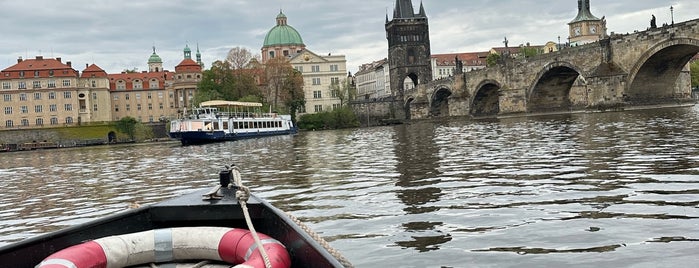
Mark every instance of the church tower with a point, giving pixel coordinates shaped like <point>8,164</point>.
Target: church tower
<point>409,52</point>
<point>155,63</point>
<point>586,28</point>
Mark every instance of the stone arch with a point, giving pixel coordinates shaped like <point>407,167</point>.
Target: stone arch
<point>550,91</point>
<point>409,81</point>
<point>655,76</point>
<point>486,100</point>
<point>406,107</point>
<point>439,101</point>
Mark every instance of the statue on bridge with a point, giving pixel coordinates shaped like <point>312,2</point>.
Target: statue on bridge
<point>653,25</point>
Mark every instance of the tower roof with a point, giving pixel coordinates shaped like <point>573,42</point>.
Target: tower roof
<point>404,10</point>
<point>282,34</point>
<point>154,58</point>
<point>584,13</point>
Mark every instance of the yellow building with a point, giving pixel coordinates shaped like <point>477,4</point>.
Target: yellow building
<point>45,92</point>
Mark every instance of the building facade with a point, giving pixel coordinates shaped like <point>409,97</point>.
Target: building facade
<point>373,80</point>
<point>46,92</point>
<point>586,28</point>
<point>319,71</point>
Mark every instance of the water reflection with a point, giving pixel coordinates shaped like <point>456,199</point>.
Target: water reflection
<point>612,189</point>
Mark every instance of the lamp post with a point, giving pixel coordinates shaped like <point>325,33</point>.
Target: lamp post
<point>559,42</point>
<point>672,14</point>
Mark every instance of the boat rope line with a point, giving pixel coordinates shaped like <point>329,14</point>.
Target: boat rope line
<point>243,195</point>
<point>334,252</point>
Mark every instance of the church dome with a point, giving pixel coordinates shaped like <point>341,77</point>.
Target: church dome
<point>155,58</point>
<point>282,34</point>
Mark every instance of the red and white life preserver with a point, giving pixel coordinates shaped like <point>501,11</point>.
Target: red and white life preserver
<point>234,246</point>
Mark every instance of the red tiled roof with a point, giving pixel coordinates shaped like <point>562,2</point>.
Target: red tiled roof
<point>143,77</point>
<point>43,67</point>
<point>469,58</point>
<point>188,66</point>
<point>94,71</point>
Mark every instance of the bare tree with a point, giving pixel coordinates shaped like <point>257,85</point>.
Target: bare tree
<point>239,57</point>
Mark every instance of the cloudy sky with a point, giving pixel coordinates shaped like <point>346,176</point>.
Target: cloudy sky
<point>118,35</point>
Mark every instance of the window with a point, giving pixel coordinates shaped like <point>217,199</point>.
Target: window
<point>138,96</point>
<point>153,84</point>
<point>52,95</point>
<point>315,68</point>
<point>68,107</point>
<point>22,85</point>
<point>51,84</point>
<point>336,106</point>
<point>36,84</point>
<point>128,107</point>
<point>36,73</point>
<point>53,108</point>
<point>334,68</point>
<point>8,110</point>
<point>127,97</point>
<point>299,68</point>
<point>318,108</point>
<point>6,85</point>
<point>9,123</point>
<point>94,107</point>
<point>94,96</point>
<point>150,106</point>
<point>7,97</point>
<point>161,106</point>
<point>37,95</point>
<point>25,122</point>
<point>116,97</point>
<point>94,83</point>
<point>150,95</point>
<point>39,121</point>
<point>54,121</point>
<point>66,82</point>
<point>271,54</point>
<point>317,94</point>
<point>24,109</point>
<point>138,106</point>
<point>316,81</point>
<point>335,80</point>
<point>21,73</point>
<point>116,107</point>
<point>121,85</point>
<point>23,96</point>
<point>66,95</point>
<point>160,95</point>
<point>137,84</point>
<point>38,108</point>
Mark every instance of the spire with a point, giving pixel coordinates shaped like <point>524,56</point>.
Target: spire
<point>404,9</point>
<point>199,57</point>
<point>422,10</point>
<point>584,13</point>
<point>281,18</point>
<point>187,52</point>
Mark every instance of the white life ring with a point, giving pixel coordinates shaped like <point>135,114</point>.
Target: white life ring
<point>234,246</point>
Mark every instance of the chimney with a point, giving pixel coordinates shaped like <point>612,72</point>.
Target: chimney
<point>58,59</point>
<point>39,57</point>
<point>70,64</point>
<point>19,59</point>
<point>86,65</point>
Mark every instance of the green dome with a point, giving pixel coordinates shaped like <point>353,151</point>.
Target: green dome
<point>282,34</point>
<point>155,58</point>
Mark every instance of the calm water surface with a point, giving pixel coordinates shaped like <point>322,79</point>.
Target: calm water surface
<point>583,190</point>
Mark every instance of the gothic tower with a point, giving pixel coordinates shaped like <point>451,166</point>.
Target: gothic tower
<point>409,52</point>
<point>586,28</point>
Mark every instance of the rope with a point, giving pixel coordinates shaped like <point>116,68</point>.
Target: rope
<point>243,195</point>
<point>335,253</point>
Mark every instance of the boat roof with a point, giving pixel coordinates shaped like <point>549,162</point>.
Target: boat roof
<point>230,103</point>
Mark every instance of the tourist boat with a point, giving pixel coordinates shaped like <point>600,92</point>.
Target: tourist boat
<point>208,228</point>
<point>215,121</point>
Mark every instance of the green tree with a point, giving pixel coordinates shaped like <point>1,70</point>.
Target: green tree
<point>343,90</point>
<point>223,82</point>
<point>695,73</point>
<point>127,125</point>
<point>492,59</point>
<point>529,52</point>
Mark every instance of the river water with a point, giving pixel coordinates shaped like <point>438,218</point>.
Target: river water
<point>603,189</point>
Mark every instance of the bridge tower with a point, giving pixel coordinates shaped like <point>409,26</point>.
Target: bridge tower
<point>409,52</point>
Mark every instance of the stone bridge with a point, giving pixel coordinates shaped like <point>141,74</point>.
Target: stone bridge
<point>638,69</point>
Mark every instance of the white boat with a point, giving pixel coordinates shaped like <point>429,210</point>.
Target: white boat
<point>215,121</point>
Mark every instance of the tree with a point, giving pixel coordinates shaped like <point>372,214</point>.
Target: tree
<point>492,59</point>
<point>222,82</point>
<point>343,90</point>
<point>529,52</point>
<point>127,125</point>
<point>695,73</point>
<point>284,86</point>
<point>239,57</point>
